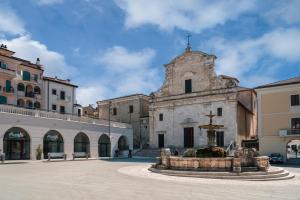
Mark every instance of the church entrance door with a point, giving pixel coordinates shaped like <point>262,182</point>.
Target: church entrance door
<point>189,137</point>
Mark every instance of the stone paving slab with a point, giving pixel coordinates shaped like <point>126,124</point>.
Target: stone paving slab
<point>128,179</point>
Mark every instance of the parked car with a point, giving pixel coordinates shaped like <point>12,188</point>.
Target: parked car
<point>276,158</point>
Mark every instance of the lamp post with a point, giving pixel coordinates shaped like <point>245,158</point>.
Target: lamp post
<point>109,105</point>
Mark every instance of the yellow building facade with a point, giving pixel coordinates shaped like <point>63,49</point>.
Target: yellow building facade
<point>279,118</point>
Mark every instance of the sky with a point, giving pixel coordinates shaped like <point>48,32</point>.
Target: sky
<point>118,47</point>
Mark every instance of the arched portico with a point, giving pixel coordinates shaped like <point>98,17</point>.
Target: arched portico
<point>53,143</point>
<point>81,143</point>
<point>123,143</point>
<point>16,144</point>
<point>104,146</point>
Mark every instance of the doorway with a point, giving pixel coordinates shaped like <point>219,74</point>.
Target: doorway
<point>104,146</point>
<point>16,144</point>
<point>161,140</point>
<point>188,137</point>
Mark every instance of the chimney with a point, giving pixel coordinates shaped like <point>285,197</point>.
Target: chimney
<point>38,61</point>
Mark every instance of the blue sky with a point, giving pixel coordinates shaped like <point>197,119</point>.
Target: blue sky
<point>115,48</point>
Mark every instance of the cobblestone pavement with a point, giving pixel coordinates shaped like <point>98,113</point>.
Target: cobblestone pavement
<point>123,179</point>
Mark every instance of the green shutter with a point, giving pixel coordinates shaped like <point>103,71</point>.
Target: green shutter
<point>8,86</point>
<point>3,100</point>
<point>26,76</point>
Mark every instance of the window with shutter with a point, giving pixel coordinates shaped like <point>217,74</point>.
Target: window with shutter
<point>26,76</point>
<point>8,86</point>
<point>3,100</point>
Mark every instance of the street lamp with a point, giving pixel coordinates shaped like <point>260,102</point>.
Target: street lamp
<point>109,105</point>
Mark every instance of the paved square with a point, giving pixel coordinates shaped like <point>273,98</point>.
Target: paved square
<point>123,179</point>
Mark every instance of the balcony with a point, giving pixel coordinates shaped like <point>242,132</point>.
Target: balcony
<point>8,72</point>
<point>29,94</point>
<point>289,132</point>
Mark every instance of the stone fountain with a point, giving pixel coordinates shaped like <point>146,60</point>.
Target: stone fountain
<point>211,130</point>
<point>245,164</point>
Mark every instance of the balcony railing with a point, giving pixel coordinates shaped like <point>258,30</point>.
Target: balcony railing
<point>29,94</point>
<point>9,72</point>
<point>289,132</point>
<point>53,115</point>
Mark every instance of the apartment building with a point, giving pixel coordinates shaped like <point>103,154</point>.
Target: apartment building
<point>279,118</point>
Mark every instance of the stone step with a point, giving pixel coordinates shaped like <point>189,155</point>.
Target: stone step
<point>272,170</point>
<point>290,176</point>
<point>148,153</point>
<point>274,174</point>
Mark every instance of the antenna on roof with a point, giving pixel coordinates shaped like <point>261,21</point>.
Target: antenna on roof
<point>188,46</point>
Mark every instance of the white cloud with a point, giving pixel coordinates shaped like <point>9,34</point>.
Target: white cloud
<point>9,21</point>
<point>53,62</point>
<point>283,43</point>
<point>48,2</point>
<point>189,15</point>
<point>241,58</point>
<point>91,94</point>
<point>119,59</point>
<point>123,72</point>
<point>284,10</point>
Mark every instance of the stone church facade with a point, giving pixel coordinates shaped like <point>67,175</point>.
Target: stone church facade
<point>190,91</point>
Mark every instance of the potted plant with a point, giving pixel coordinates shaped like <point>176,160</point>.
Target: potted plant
<point>39,152</point>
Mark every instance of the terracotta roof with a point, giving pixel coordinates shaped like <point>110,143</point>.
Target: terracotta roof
<point>290,81</point>
<point>5,49</point>
<point>25,62</point>
<point>61,81</point>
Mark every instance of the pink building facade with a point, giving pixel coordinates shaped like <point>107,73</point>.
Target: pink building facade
<point>20,81</point>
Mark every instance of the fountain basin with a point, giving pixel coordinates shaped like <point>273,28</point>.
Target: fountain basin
<point>235,164</point>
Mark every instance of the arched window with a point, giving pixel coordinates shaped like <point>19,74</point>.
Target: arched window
<point>21,102</point>
<point>37,105</point>
<point>53,143</point>
<point>104,146</point>
<point>122,143</point>
<point>37,90</point>
<point>81,143</point>
<point>29,91</point>
<point>26,76</point>
<point>29,104</point>
<point>21,87</point>
<point>16,144</point>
